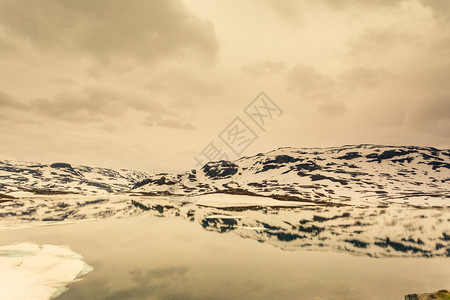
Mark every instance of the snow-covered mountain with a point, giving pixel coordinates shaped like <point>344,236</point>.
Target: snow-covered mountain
<point>348,174</point>
<point>340,175</point>
<point>61,178</point>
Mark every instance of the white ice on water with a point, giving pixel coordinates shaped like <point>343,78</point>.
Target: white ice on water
<point>31,271</point>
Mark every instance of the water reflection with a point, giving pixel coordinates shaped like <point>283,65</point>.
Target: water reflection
<point>169,258</point>
<point>150,283</point>
<point>376,231</point>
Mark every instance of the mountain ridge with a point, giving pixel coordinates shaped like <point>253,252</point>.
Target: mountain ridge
<point>335,173</point>
<point>345,174</point>
<point>60,178</point>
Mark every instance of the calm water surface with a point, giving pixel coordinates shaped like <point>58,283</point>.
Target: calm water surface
<point>169,258</point>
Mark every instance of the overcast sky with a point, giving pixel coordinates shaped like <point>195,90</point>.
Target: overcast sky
<point>148,84</point>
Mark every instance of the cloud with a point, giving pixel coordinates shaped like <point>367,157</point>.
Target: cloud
<point>185,89</point>
<point>332,108</point>
<point>432,77</point>
<point>363,77</point>
<point>110,31</point>
<point>266,68</point>
<point>374,44</point>
<point>318,87</point>
<point>160,283</point>
<point>314,85</point>
<point>368,4</point>
<point>440,9</point>
<point>81,106</point>
<point>431,115</point>
<point>88,105</point>
<point>94,104</point>
<point>7,101</point>
<point>310,83</point>
<point>185,84</point>
<point>288,10</point>
<point>154,120</point>
<point>333,94</point>
<point>292,10</point>
<point>7,50</point>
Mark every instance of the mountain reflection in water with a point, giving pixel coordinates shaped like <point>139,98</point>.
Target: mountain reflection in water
<point>376,231</point>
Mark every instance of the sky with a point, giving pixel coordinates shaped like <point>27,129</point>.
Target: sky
<point>154,85</point>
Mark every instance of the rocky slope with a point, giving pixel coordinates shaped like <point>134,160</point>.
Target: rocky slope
<point>439,295</point>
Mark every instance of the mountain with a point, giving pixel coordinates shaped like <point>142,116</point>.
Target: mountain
<point>360,174</point>
<point>349,174</point>
<point>60,178</point>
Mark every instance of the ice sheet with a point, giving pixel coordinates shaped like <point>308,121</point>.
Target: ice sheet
<point>31,271</point>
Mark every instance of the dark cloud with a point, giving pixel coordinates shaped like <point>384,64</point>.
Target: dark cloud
<point>265,69</point>
<point>110,31</point>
